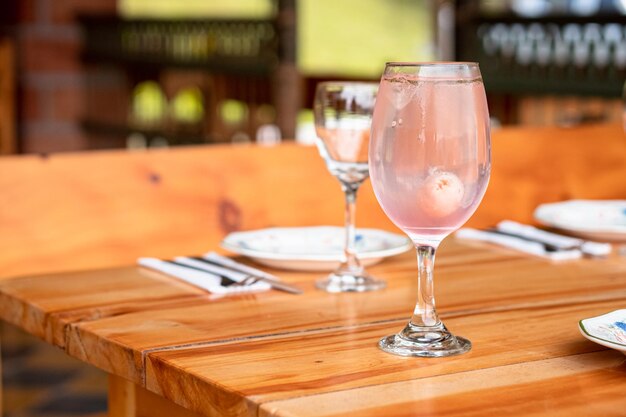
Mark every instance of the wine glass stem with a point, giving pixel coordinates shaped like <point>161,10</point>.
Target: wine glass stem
<point>351,261</point>
<point>425,314</point>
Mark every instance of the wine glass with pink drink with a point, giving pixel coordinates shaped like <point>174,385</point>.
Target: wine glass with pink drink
<point>430,162</point>
<point>343,118</point>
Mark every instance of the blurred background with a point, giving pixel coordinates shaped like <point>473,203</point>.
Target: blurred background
<point>80,75</point>
<point>100,74</point>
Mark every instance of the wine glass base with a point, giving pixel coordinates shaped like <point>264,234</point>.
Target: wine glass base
<point>443,344</point>
<point>349,282</point>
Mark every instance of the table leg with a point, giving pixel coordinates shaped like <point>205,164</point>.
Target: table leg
<point>1,390</point>
<point>127,399</point>
<point>122,401</point>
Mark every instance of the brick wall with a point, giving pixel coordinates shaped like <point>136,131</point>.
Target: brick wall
<point>52,80</point>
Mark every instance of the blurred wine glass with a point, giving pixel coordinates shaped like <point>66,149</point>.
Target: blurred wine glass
<point>343,116</point>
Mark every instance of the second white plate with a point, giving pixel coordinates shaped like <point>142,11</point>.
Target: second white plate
<point>313,248</point>
<point>600,220</point>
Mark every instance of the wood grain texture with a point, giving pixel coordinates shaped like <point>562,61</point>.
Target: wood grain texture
<point>126,338</point>
<point>232,355</point>
<point>129,400</point>
<point>45,305</point>
<point>150,404</point>
<point>587,384</point>
<point>105,209</point>
<point>347,358</point>
<point>113,318</point>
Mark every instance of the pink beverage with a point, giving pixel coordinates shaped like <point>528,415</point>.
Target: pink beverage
<point>429,151</point>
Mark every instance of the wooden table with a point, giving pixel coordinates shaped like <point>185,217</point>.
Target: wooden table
<point>166,343</point>
<point>173,349</point>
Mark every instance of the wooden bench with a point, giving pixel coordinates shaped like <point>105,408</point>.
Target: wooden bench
<point>102,209</point>
<point>532,166</point>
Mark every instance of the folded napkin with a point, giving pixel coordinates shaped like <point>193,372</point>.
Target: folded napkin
<point>204,276</point>
<point>522,245</point>
<point>554,239</point>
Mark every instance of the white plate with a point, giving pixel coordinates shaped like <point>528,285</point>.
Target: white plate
<point>313,248</point>
<point>607,330</point>
<point>593,219</point>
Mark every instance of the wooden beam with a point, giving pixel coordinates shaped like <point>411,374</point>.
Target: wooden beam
<point>7,97</point>
<point>1,389</point>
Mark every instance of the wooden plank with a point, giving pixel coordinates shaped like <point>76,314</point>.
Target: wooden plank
<point>471,280</point>
<point>117,344</point>
<point>153,405</point>
<point>579,385</point>
<point>111,319</point>
<point>45,305</point>
<point>315,363</point>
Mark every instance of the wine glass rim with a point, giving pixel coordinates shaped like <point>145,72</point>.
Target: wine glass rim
<point>432,63</point>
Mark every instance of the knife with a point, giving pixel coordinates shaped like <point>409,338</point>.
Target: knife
<point>228,262</point>
<point>216,262</point>
<point>202,278</point>
<point>224,280</point>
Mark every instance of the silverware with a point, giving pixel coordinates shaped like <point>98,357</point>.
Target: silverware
<point>553,241</point>
<point>516,243</point>
<point>547,246</point>
<point>236,266</point>
<point>279,285</point>
<point>224,280</point>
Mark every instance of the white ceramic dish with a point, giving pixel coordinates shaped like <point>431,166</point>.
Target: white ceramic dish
<point>601,220</point>
<point>607,330</point>
<point>313,248</point>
